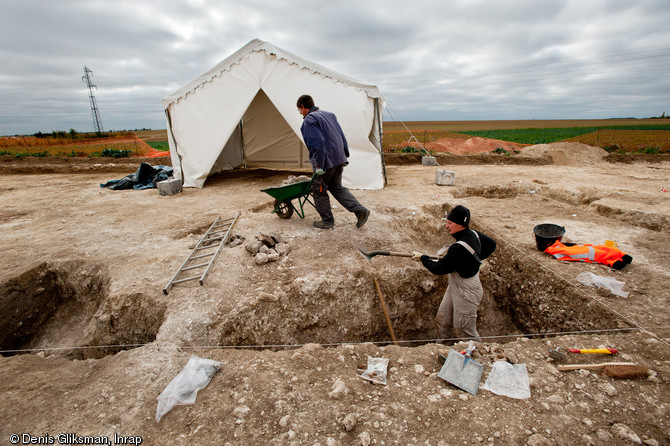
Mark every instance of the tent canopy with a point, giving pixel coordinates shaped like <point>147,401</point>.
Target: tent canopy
<point>242,113</point>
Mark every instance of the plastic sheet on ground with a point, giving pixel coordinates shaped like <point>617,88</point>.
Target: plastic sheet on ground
<point>184,387</point>
<point>145,177</point>
<point>508,380</point>
<point>590,279</point>
<point>376,371</point>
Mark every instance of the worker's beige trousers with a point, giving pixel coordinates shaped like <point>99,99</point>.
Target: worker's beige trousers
<point>457,315</point>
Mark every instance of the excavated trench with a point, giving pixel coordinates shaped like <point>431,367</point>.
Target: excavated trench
<point>590,199</point>
<point>344,306</point>
<point>517,300</point>
<point>65,305</point>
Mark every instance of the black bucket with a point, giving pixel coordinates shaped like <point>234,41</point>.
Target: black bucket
<point>546,234</point>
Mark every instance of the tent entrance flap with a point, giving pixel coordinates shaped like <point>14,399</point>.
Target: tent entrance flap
<point>231,155</point>
<point>268,139</point>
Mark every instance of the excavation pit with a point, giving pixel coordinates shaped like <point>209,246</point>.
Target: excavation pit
<point>307,305</point>
<point>65,308</point>
<point>518,301</point>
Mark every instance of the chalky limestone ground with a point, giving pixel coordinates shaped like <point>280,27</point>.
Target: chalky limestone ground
<point>113,252</point>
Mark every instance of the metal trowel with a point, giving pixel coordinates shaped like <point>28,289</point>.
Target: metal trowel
<point>462,371</point>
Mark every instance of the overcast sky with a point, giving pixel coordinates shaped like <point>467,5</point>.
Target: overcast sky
<point>433,60</point>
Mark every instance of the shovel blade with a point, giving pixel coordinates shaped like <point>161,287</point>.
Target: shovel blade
<point>363,251</point>
<point>462,371</point>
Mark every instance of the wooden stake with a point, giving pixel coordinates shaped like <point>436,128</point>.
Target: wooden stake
<point>386,313</point>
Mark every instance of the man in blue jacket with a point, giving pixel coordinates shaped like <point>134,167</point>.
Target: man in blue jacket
<point>328,153</point>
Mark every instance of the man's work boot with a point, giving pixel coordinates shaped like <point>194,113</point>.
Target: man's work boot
<point>322,225</point>
<point>362,217</point>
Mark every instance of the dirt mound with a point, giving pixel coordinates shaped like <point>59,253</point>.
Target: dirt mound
<point>567,153</point>
<point>471,145</point>
<point>461,146</point>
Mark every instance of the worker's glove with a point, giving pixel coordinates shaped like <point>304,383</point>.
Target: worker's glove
<point>416,256</point>
<point>320,171</point>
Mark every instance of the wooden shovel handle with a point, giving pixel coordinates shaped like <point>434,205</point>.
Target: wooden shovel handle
<point>399,254</point>
<point>386,313</point>
<point>565,368</point>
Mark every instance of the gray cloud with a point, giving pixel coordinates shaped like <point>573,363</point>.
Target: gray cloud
<point>515,59</point>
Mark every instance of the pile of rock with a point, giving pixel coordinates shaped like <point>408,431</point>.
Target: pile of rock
<point>292,179</point>
<point>235,240</point>
<point>267,248</point>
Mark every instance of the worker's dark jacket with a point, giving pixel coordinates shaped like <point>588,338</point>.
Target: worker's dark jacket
<point>324,139</point>
<point>458,258</point>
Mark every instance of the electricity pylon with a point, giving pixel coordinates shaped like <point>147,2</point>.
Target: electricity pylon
<point>97,122</point>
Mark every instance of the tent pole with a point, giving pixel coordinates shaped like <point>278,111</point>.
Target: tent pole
<point>244,147</point>
<point>381,139</point>
<point>174,141</point>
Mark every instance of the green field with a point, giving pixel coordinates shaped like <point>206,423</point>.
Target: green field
<point>616,134</point>
<point>467,126</point>
<point>159,145</point>
<point>549,135</point>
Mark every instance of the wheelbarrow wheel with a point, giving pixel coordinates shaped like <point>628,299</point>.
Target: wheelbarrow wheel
<point>283,208</point>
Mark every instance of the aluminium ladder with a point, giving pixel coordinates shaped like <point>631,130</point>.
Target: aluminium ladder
<point>209,245</point>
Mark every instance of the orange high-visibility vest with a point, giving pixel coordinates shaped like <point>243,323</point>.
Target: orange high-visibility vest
<point>611,257</point>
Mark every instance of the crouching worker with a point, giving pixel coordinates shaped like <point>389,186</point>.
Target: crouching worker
<point>457,315</point>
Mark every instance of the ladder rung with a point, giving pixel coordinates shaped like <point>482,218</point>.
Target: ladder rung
<point>205,247</point>
<point>218,237</point>
<point>202,255</point>
<point>195,266</point>
<point>185,280</point>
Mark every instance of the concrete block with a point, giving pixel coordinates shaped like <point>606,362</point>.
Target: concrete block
<point>428,161</point>
<point>169,187</point>
<point>444,177</point>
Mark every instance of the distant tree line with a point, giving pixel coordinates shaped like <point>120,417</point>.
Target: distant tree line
<point>73,134</point>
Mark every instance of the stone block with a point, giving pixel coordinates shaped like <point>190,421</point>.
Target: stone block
<point>428,161</point>
<point>444,177</point>
<point>169,187</point>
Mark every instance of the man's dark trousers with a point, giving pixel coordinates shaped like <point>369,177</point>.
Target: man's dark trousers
<point>331,181</point>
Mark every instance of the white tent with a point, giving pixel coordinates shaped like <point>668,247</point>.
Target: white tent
<point>242,113</point>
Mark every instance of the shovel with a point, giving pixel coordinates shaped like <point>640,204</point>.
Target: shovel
<point>462,371</point>
<point>370,255</point>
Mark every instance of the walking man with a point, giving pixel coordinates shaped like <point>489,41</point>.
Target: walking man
<point>328,153</point>
<point>457,315</point>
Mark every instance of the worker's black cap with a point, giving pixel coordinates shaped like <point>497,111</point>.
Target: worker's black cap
<point>460,215</point>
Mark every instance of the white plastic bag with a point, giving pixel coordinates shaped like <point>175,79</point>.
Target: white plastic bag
<point>184,387</point>
<point>590,279</point>
<point>376,371</point>
<point>508,380</point>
